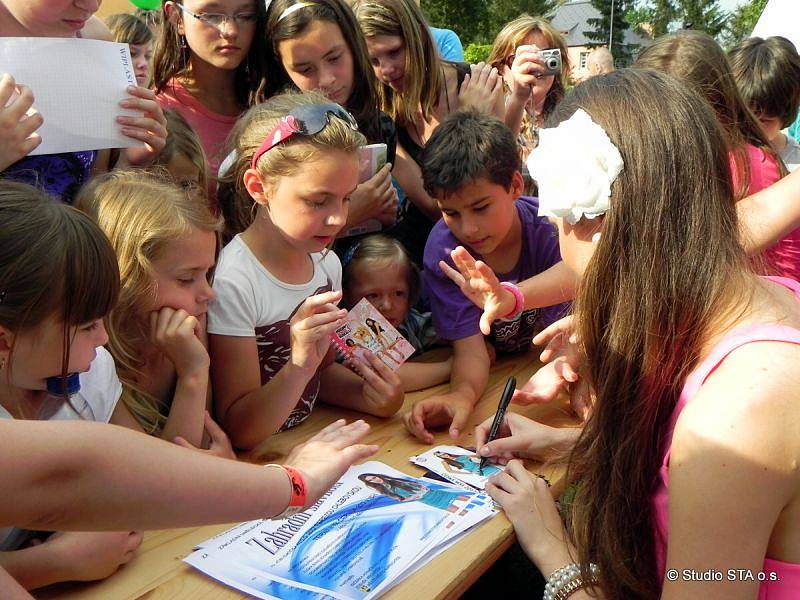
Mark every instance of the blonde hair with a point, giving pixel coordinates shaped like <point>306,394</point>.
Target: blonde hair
<point>284,160</point>
<point>140,213</point>
<point>514,33</point>
<point>423,77</point>
<point>379,249</point>
<point>182,139</point>
<point>129,29</point>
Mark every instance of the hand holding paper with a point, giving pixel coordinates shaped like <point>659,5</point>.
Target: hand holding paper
<point>18,122</point>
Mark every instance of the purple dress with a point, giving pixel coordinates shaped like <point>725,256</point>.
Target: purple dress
<point>60,175</point>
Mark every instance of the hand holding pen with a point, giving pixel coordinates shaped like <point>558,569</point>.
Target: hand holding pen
<point>499,416</point>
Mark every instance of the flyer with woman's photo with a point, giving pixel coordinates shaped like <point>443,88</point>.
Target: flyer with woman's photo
<point>457,465</point>
<point>366,534</point>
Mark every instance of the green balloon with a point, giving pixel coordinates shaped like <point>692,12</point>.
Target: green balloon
<point>147,4</point>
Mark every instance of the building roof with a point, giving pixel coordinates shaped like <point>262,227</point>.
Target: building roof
<point>572,19</point>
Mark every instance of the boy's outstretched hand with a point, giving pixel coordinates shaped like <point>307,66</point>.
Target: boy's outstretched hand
<point>449,410</point>
<point>478,282</point>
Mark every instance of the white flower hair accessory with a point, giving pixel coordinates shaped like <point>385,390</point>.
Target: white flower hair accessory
<point>574,166</point>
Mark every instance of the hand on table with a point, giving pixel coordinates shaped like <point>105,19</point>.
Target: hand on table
<point>89,556</point>
<point>449,410</point>
<point>324,458</point>
<point>478,282</point>
<point>219,444</point>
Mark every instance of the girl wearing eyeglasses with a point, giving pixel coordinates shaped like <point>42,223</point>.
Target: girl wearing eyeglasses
<point>207,66</point>
<point>277,287</point>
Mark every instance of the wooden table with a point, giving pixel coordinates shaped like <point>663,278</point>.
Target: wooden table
<point>158,573</point>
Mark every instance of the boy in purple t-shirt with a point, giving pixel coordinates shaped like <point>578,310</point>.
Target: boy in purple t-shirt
<point>471,166</point>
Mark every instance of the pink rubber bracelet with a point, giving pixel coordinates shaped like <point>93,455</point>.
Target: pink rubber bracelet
<point>519,299</point>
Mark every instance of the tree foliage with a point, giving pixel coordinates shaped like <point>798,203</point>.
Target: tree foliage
<point>742,21</point>
<point>478,21</point>
<point>601,27</point>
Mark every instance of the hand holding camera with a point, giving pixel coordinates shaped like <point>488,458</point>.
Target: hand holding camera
<point>529,64</point>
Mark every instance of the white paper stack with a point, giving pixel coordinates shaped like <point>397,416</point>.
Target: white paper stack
<point>374,528</point>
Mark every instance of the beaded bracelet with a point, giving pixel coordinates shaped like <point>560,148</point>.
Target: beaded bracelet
<point>567,580</point>
<point>297,499</point>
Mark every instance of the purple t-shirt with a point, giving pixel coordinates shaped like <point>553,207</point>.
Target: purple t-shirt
<point>455,316</point>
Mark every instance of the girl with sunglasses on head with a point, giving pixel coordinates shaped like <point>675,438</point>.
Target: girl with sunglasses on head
<point>207,66</point>
<point>63,174</point>
<point>296,157</point>
<point>418,89</point>
<point>317,45</point>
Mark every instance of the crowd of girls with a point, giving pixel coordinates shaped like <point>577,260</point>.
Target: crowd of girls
<point>174,301</point>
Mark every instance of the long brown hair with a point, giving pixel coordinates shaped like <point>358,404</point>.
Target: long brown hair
<point>513,34</point>
<point>171,59</point>
<point>363,102</point>
<point>699,62</point>
<point>54,261</point>
<point>423,74</point>
<point>667,269</point>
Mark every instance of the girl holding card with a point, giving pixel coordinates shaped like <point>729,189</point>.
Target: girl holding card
<point>277,284</point>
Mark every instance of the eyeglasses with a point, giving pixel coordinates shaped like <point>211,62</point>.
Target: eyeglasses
<point>304,120</point>
<point>220,20</point>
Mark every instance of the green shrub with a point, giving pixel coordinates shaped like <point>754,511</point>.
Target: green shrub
<point>475,53</point>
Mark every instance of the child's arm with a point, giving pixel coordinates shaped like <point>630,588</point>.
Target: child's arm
<point>11,589</point>
<point>409,178</point>
<point>178,335</point>
<point>771,214</point>
<point>17,122</point>
<point>250,412</point>
<point>478,282</point>
<point>420,375</point>
<point>71,556</point>
<point>53,479</point>
<point>467,384</point>
<point>377,391</point>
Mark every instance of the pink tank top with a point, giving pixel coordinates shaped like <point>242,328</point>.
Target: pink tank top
<point>784,257</point>
<point>788,586</point>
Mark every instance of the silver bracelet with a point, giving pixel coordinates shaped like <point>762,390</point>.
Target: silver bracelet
<point>567,580</point>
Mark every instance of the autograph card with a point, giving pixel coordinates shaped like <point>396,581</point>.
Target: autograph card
<point>367,329</point>
<point>457,465</point>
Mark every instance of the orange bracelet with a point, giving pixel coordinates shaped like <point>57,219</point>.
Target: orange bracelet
<point>298,497</point>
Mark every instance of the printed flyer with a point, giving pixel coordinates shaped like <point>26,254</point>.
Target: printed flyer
<point>457,465</point>
<point>372,529</point>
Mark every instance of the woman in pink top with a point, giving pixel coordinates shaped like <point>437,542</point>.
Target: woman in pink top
<point>208,66</point>
<point>666,303</point>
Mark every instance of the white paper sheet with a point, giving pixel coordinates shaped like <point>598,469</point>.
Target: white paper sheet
<point>77,85</point>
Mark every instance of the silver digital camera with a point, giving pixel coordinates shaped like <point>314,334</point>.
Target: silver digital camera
<point>552,61</point>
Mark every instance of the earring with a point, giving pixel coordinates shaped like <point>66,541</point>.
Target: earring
<point>596,237</point>
<point>183,41</point>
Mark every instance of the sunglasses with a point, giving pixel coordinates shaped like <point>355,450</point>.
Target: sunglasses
<point>304,120</point>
